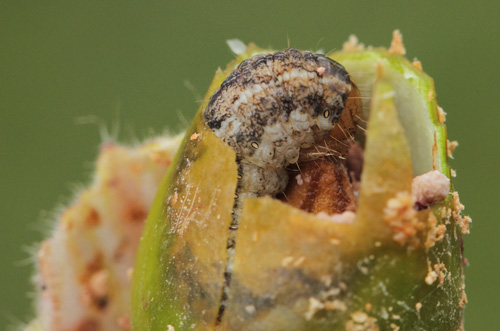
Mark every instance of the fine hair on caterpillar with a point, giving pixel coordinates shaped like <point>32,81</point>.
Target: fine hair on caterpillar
<point>269,109</point>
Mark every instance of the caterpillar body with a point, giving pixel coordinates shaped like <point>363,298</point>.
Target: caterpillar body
<point>268,109</point>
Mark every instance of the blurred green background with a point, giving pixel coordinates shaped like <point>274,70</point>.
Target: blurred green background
<point>145,65</point>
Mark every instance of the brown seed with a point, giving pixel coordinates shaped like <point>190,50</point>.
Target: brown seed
<point>326,188</point>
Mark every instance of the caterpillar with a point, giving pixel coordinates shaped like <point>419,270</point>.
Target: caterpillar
<point>268,109</point>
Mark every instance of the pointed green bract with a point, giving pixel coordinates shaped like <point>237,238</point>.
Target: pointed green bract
<point>415,99</point>
<point>387,168</point>
<point>180,264</point>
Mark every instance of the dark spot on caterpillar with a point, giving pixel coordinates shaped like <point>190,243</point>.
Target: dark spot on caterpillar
<point>102,302</point>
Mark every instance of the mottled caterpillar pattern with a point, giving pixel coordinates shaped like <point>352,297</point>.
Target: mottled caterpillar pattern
<point>269,108</point>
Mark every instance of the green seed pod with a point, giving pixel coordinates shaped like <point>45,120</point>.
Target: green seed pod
<point>393,260</point>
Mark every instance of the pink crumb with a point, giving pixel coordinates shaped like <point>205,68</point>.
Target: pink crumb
<point>417,64</point>
<point>320,71</point>
<point>353,45</point>
<point>430,188</point>
<point>397,46</point>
